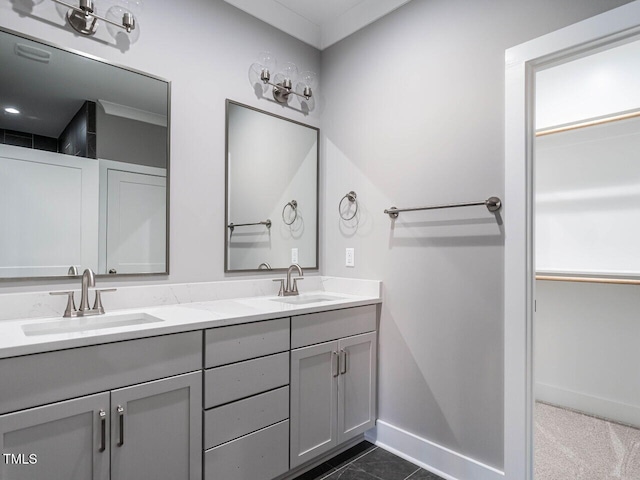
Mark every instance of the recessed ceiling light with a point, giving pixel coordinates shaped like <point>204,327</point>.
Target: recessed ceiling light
<point>12,110</point>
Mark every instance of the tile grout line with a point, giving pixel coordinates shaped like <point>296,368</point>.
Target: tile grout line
<point>347,464</point>
<point>417,470</point>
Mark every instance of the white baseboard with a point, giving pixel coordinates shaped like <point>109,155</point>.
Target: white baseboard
<point>601,407</point>
<point>430,456</point>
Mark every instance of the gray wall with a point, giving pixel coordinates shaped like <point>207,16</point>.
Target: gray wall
<point>425,125</point>
<point>412,112</point>
<point>204,47</point>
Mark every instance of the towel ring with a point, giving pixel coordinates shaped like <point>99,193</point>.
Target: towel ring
<point>351,196</point>
<point>294,206</point>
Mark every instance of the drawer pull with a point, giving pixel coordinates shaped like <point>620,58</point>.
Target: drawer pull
<point>103,430</point>
<point>343,362</point>
<point>120,411</point>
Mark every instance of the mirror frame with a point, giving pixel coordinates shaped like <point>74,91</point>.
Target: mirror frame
<point>168,178</point>
<point>228,104</point>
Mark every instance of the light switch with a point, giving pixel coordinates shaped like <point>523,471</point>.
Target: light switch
<point>350,257</point>
<point>294,255</point>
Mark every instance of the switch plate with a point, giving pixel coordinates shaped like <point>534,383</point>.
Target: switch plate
<point>350,257</point>
<point>294,255</point>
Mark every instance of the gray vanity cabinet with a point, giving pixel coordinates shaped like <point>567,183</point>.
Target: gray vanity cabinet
<point>156,430</point>
<point>151,430</point>
<point>333,383</point>
<point>314,396</point>
<point>357,385</point>
<point>63,439</point>
<point>146,423</point>
<point>246,401</point>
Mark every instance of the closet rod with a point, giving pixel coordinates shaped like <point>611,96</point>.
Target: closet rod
<point>493,204</point>
<point>616,281</point>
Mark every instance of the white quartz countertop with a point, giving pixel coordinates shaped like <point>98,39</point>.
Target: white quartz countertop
<point>176,318</point>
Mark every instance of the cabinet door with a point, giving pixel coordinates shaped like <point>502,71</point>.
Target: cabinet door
<point>357,385</point>
<point>67,441</point>
<point>314,396</point>
<point>156,430</point>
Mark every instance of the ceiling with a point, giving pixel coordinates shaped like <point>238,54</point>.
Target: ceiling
<point>320,23</point>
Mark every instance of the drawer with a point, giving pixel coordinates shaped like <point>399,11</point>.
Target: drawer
<point>239,380</point>
<point>325,326</point>
<point>263,455</point>
<point>240,418</point>
<point>241,342</point>
<point>42,378</point>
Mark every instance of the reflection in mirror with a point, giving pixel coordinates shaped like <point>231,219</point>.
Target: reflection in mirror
<point>83,164</point>
<point>272,191</point>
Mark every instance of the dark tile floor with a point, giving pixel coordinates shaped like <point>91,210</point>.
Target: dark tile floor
<point>365,461</point>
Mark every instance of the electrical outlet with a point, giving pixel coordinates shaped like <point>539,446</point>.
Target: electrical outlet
<point>350,257</point>
<point>294,255</point>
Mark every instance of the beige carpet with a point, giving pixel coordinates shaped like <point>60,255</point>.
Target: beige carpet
<point>573,446</point>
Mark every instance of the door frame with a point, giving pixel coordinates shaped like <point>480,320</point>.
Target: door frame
<point>521,64</point>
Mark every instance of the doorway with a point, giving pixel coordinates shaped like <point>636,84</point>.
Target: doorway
<point>616,27</point>
<point>586,364</point>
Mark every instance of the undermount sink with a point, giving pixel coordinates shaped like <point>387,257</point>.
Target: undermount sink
<point>304,299</point>
<point>82,324</point>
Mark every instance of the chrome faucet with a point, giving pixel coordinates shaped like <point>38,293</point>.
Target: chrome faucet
<point>290,288</point>
<point>88,281</point>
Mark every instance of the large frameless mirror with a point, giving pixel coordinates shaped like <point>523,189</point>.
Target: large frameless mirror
<point>84,164</point>
<point>271,218</point>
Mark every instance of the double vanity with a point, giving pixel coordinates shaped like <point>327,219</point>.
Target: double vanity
<point>214,381</point>
<point>258,388</point>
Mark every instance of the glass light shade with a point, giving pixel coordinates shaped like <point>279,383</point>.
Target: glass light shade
<point>268,61</point>
<point>307,79</point>
<point>115,14</point>
<point>134,6</point>
<point>290,71</point>
<point>310,79</point>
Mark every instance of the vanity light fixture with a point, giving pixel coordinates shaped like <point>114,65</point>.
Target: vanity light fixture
<point>83,17</point>
<point>13,111</point>
<point>262,74</point>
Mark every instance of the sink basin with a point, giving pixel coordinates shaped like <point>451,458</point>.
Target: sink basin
<point>304,299</point>
<point>82,324</point>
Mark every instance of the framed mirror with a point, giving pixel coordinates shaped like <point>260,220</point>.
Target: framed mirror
<point>84,164</point>
<point>271,215</point>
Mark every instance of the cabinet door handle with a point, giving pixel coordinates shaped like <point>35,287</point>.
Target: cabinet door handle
<point>343,362</point>
<point>103,430</point>
<point>335,363</point>
<point>120,411</point>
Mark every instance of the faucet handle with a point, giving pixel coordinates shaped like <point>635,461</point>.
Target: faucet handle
<point>71,304</point>
<point>281,280</point>
<point>294,289</point>
<point>97,304</point>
